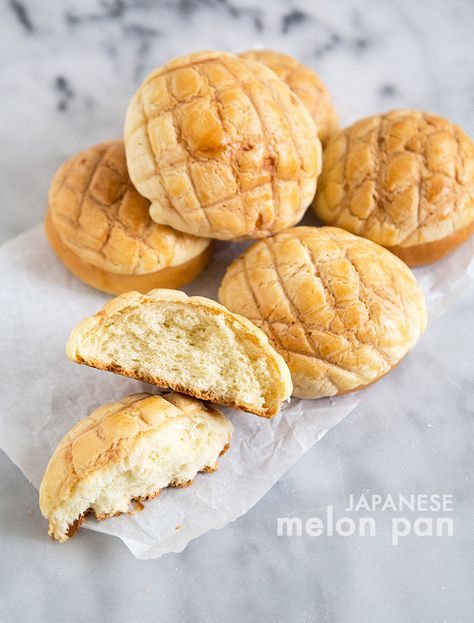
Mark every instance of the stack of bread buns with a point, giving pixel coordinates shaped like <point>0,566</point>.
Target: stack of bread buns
<point>228,147</point>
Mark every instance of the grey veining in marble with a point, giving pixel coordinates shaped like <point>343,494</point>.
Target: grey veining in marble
<point>67,72</point>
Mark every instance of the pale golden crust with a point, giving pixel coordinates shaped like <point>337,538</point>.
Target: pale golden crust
<point>221,147</point>
<point>340,309</point>
<point>115,283</point>
<point>133,300</point>
<point>106,437</point>
<point>98,216</point>
<point>404,179</point>
<point>305,83</point>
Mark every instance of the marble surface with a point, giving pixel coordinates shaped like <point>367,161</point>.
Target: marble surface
<point>68,70</point>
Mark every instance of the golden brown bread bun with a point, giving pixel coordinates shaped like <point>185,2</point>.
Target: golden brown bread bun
<point>189,344</point>
<point>221,147</point>
<point>128,451</point>
<point>305,83</point>
<point>100,228</point>
<point>404,179</point>
<point>340,309</point>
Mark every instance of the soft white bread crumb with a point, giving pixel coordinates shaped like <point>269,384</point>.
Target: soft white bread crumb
<point>129,450</point>
<point>192,345</point>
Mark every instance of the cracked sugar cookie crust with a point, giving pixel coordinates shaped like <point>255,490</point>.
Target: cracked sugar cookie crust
<point>305,83</point>
<point>341,310</point>
<point>404,179</point>
<point>100,227</point>
<point>128,451</point>
<point>221,147</point>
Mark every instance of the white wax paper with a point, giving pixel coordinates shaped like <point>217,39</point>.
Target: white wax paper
<point>44,394</point>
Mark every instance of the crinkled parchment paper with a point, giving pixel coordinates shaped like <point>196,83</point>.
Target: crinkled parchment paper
<point>44,394</point>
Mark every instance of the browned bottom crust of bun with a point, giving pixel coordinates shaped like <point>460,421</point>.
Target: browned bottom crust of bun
<point>176,387</point>
<point>74,527</point>
<point>428,252</point>
<point>114,283</point>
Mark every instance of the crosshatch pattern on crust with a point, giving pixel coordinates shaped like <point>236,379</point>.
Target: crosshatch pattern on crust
<point>401,178</point>
<point>221,147</point>
<point>341,310</point>
<point>110,432</point>
<point>305,83</point>
<point>99,214</point>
